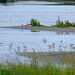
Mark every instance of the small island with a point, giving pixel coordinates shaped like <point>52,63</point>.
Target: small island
<point>65,26</point>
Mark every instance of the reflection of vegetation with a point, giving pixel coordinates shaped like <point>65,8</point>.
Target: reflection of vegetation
<point>58,33</point>
<point>61,33</point>
<point>35,31</point>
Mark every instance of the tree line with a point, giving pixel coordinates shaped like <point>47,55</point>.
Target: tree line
<point>4,1</point>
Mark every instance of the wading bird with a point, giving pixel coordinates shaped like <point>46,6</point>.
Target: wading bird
<point>49,47</point>
<point>1,43</point>
<point>11,45</point>
<point>18,49</point>
<point>24,48</point>
<point>44,40</point>
<point>61,41</point>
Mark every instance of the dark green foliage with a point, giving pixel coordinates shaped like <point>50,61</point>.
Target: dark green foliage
<point>12,0</point>
<point>5,72</point>
<point>73,24</point>
<point>33,22</point>
<point>3,1</point>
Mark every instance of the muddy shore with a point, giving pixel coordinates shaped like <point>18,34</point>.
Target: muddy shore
<point>53,57</point>
<point>48,28</point>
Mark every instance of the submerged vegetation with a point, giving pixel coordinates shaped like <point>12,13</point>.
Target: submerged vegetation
<point>35,31</point>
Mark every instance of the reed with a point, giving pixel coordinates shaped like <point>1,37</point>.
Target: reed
<point>46,69</point>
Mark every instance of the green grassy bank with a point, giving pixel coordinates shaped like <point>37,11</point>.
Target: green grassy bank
<point>34,68</point>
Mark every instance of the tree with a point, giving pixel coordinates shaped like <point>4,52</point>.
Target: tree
<point>3,1</point>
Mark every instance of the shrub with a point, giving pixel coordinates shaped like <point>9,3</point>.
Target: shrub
<point>3,1</point>
<point>64,24</point>
<point>73,24</point>
<point>34,22</point>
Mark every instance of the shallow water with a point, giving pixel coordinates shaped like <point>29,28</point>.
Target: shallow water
<point>19,13</point>
<point>33,41</point>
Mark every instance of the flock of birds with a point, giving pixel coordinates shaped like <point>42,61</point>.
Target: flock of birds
<point>18,50</point>
<point>51,47</point>
<point>71,46</point>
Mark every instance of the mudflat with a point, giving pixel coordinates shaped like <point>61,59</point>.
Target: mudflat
<point>53,57</point>
<point>47,28</point>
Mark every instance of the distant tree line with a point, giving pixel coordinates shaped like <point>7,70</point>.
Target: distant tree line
<point>4,1</point>
<point>47,0</point>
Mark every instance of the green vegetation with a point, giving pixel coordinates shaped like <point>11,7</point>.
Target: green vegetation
<point>3,1</point>
<point>63,24</point>
<point>59,24</point>
<point>62,2</point>
<point>12,0</point>
<point>34,22</point>
<point>35,70</point>
<point>35,31</point>
<point>46,69</point>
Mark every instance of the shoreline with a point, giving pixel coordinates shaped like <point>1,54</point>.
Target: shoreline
<point>46,28</point>
<point>46,53</point>
<point>54,57</point>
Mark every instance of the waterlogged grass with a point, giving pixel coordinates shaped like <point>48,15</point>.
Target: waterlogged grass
<point>34,68</point>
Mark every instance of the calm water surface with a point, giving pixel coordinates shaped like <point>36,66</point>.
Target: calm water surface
<point>17,14</point>
<point>33,40</point>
